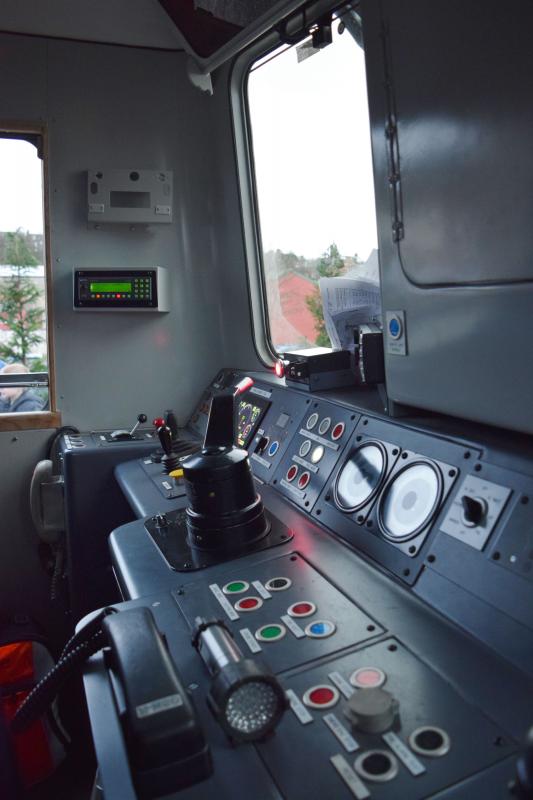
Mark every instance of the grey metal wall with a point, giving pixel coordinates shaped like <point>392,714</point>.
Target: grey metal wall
<point>459,78</point>
<point>116,107</point>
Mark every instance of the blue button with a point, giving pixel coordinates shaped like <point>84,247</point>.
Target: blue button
<point>320,629</point>
<point>273,449</point>
<point>395,327</point>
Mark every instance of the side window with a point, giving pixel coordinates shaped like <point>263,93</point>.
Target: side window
<point>312,163</point>
<point>24,355</point>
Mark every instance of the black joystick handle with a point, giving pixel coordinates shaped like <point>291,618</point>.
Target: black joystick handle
<point>165,437</point>
<point>170,460</point>
<point>220,431</point>
<point>172,423</point>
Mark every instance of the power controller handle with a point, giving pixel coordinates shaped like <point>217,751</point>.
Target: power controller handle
<point>165,437</point>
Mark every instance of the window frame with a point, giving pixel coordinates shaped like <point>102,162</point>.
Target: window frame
<point>37,420</point>
<point>242,135</point>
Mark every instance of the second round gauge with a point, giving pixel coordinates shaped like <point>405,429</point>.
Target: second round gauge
<point>360,477</point>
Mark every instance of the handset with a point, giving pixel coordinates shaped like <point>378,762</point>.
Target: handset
<point>166,746</point>
<point>46,502</point>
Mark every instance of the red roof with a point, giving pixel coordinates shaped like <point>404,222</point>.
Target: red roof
<point>291,321</point>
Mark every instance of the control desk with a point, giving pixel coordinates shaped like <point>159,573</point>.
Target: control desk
<point>401,557</point>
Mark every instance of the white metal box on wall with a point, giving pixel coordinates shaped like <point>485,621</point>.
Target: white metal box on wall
<point>141,196</point>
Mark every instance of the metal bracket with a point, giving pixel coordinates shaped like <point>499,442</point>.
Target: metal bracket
<point>199,79</point>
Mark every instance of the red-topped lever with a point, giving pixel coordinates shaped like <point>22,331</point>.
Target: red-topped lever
<point>220,433</point>
<point>243,386</point>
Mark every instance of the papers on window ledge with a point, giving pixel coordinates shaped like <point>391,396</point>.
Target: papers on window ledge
<point>348,302</point>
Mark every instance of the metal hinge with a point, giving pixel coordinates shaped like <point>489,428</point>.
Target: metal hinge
<point>393,148</point>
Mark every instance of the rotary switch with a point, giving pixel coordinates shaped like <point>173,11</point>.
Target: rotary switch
<point>372,710</point>
<point>474,510</point>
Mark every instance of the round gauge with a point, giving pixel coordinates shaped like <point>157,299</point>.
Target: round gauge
<point>409,501</point>
<point>360,477</point>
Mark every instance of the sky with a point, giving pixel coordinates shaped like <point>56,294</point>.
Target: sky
<point>311,141</point>
<point>21,196</point>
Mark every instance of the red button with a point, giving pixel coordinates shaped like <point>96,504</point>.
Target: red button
<point>304,609</point>
<point>248,603</point>
<point>337,431</point>
<point>292,472</point>
<point>322,696</point>
<point>303,480</point>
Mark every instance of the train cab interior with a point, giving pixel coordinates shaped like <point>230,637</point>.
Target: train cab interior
<point>266,400</point>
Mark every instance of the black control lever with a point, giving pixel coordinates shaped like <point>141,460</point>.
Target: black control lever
<point>123,435</point>
<point>165,437</point>
<point>172,423</point>
<point>220,433</point>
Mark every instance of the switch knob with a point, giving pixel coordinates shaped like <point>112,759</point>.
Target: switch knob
<point>262,444</point>
<point>474,510</point>
<point>161,520</point>
<point>372,710</point>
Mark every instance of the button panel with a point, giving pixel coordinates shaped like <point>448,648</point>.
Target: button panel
<point>314,451</point>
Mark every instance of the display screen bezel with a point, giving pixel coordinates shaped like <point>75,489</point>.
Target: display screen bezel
<point>107,276</point>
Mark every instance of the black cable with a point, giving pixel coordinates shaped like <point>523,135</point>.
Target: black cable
<point>87,631</point>
<point>58,551</point>
<point>35,704</point>
<point>51,455</point>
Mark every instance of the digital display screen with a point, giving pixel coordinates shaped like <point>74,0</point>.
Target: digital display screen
<point>249,415</point>
<point>111,287</point>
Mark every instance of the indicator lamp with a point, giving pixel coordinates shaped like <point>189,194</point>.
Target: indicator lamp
<point>245,697</point>
<point>280,367</point>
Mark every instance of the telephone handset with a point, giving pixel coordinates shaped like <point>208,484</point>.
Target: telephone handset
<point>166,746</point>
<point>46,502</point>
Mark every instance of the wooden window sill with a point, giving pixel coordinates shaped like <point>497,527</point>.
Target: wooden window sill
<point>33,420</point>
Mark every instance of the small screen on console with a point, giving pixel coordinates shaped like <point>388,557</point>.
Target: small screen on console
<point>110,287</point>
<point>249,415</point>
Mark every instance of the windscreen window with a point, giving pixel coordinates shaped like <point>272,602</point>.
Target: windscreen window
<point>24,356</point>
<point>312,162</point>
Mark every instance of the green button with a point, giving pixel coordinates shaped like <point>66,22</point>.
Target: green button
<point>270,633</point>
<point>236,587</point>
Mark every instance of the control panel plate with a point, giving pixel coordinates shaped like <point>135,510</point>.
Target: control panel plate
<point>274,628</point>
<point>424,700</point>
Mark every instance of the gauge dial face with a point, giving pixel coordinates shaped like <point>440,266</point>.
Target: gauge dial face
<point>410,501</point>
<point>360,477</point>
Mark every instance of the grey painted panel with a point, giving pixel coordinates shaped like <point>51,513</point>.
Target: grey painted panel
<point>468,348</point>
<point>465,125</point>
<point>23,86</point>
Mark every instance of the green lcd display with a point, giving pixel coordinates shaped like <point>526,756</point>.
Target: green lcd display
<point>110,287</point>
